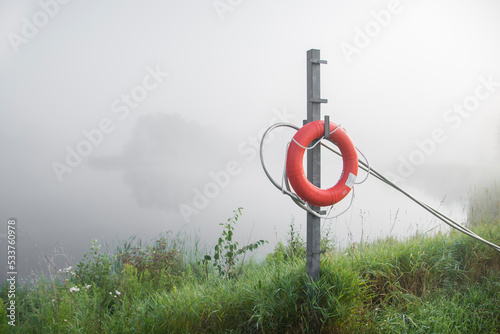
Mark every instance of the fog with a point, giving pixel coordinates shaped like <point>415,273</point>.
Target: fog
<point>124,118</point>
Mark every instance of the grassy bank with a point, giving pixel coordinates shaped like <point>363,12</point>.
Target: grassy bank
<point>446,283</point>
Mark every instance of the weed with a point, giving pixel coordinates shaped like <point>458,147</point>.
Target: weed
<point>226,251</point>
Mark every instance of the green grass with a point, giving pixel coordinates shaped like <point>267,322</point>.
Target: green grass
<point>446,283</point>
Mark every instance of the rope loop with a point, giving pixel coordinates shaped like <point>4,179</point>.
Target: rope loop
<point>285,187</point>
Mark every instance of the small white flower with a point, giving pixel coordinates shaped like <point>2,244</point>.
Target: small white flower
<point>74,289</point>
<point>110,293</point>
<point>88,286</point>
<point>118,293</point>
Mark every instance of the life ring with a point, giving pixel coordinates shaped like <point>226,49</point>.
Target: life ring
<point>295,169</point>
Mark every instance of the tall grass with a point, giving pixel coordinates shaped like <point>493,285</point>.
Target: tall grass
<point>445,283</point>
<point>484,206</point>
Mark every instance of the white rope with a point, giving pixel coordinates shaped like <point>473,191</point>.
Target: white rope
<point>319,140</point>
<point>284,179</point>
<point>367,163</point>
<point>306,148</point>
<point>370,171</point>
<point>338,126</point>
<point>450,222</point>
<point>340,214</point>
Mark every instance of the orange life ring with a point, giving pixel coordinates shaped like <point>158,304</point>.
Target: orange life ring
<point>295,169</point>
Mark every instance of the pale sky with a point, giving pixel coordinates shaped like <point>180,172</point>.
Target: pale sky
<point>115,116</point>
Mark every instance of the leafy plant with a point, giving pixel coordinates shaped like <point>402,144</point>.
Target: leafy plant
<point>226,251</point>
<point>95,267</point>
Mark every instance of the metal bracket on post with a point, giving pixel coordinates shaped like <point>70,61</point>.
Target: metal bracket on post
<point>323,251</point>
<point>327,127</point>
<point>319,101</point>
<point>318,61</point>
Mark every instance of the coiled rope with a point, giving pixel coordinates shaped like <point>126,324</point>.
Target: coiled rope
<point>285,187</point>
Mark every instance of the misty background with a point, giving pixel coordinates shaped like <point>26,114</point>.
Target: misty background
<point>185,91</point>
